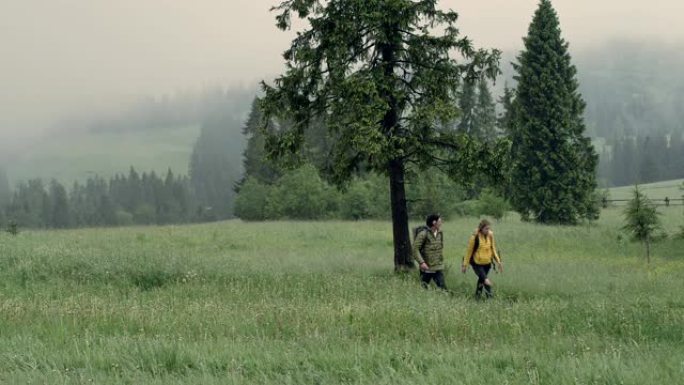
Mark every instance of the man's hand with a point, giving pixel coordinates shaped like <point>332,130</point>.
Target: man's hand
<point>423,266</point>
<point>500,268</point>
<point>463,269</point>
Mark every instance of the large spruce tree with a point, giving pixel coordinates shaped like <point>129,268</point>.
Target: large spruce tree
<point>505,119</point>
<point>466,107</point>
<point>554,164</point>
<point>254,160</point>
<point>59,212</point>
<point>383,75</point>
<point>484,118</point>
<point>5,191</point>
<point>215,166</point>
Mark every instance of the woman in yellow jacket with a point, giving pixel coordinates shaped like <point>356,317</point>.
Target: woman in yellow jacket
<point>480,255</point>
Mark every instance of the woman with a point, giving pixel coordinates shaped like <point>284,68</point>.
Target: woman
<point>480,255</point>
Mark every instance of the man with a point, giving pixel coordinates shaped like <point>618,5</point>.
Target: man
<point>427,251</point>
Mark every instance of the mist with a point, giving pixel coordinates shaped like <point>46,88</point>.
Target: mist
<point>68,58</point>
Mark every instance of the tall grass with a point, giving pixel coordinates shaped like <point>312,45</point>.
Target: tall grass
<point>317,303</point>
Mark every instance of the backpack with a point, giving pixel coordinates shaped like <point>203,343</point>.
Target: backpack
<point>418,229</point>
<point>475,247</point>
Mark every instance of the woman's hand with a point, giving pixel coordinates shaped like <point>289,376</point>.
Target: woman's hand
<point>463,269</point>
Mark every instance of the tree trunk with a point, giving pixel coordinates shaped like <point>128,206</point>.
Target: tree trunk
<point>402,243</point>
<point>648,251</point>
<point>390,125</point>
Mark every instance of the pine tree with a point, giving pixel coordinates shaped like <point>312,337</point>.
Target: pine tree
<point>2,216</point>
<point>99,210</point>
<point>318,145</point>
<point>642,220</point>
<point>168,210</point>
<point>5,192</point>
<point>505,120</point>
<point>383,80</point>
<point>133,191</point>
<point>554,164</point>
<point>60,214</point>
<point>30,204</point>
<point>466,106</point>
<point>76,202</point>
<point>478,121</point>
<point>256,164</point>
<point>254,160</point>
<point>215,168</point>
<point>5,196</point>
<point>484,115</point>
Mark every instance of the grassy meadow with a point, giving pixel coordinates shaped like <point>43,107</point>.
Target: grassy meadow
<point>317,303</point>
<point>673,189</point>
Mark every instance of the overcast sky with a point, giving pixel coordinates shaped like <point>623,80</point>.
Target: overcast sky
<point>60,57</point>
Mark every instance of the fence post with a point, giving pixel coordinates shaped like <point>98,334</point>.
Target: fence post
<point>667,202</point>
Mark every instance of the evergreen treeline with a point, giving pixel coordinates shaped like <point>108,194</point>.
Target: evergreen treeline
<point>206,194</point>
<point>122,200</point>
<point>219,185</point>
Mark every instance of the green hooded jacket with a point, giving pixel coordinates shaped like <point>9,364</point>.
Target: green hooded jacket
<point>428,248</point>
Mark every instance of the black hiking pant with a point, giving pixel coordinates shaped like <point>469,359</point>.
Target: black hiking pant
<point>438,276</point>
<point>482,271</point>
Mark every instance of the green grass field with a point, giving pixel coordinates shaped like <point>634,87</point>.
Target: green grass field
<point>660,190</point>
<point>317,303</point>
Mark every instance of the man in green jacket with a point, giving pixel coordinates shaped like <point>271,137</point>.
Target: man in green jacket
<point>427,251</point>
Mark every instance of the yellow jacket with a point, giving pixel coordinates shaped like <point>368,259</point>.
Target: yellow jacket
<point>486,250</point>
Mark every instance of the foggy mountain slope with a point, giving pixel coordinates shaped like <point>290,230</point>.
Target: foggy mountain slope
<point>76,156</point>
<point>631,87</point>
<point>152,135</point>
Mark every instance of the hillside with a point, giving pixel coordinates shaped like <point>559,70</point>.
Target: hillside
<point>673,189</point>
<point>153,134</point>
<point>77,156</point>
